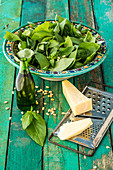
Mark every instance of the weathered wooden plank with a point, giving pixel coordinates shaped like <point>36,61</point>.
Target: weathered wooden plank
<point>82,11</point>
<point>9,20</point>
<point>23,152</point>
<point>55,157</point>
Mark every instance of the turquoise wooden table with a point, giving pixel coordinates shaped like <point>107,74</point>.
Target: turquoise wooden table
<point>17,150</point>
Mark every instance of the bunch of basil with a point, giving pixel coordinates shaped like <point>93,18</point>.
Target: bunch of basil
<point>55,46</point>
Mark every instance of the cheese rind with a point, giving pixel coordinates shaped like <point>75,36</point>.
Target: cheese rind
<point>72,129</point>
<point>78,102</point>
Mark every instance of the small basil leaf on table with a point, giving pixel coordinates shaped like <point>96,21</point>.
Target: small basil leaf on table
<point>43,61</point>
<point>63,64</point>
<point>11,36</point>
<point>27,119</point>
<point>37,129</point>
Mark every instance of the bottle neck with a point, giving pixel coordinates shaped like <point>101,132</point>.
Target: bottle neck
<point>24,67</point>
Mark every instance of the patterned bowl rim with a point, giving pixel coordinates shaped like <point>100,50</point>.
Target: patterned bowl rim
<point>60,74</point>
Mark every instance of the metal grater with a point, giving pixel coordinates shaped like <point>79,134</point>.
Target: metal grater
<point>101,116</point>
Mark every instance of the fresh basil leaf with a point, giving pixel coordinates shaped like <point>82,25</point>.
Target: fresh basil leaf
<point>66,51</point>
<point>22,45</point>
<point>42,27</point>
<point>76,40</point>
<point>27,119</point>
<point>32,24</point>
<point>11,36</point>
<point>90,58</point>
<point>77,65</point>
<point>53,51</point>
<point>26,53</point>
<point>27,32</point>
<point>89,37</point>
<point>86,49</point>
<point>41,35</point>
<point>42,60</point>
<point>73,55</point>
<point>58,37</point>
<point>52,62</point>
<point>57,28</point>
<point>37,129</point>
<point>53,43</point>
<point>63,64</point>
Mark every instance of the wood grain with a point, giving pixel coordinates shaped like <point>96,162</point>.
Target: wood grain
<point>9,20</point>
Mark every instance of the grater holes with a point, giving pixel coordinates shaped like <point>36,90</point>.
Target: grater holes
<point>103,112</point>
<point>103,102</point>
<point>98,101</point>
<point>99,96</point>
<point>98,110</point>
<point>103,107</point>
<point>108,109</point>
<point>94,94</point>
<point>98,105</point>
<point>93,99</point>
<point>108,99</point>
<point>108,104</point>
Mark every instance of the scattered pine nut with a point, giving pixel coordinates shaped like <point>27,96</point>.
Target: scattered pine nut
<point>5,102</point>
<point>43,108</point>
<point>47,114</point>
<point>58,58</point>
<point>38,91</point>
<point>47,87</point>
<point>36,102</point>
<point>9,118</point>
<point>84,156</point>
<point>12,92</point>
<point>107,147</point>
<point>36,87</point>
<point>37,111</point>
<point>14,88</point>
<point>54,108</point>
<point>63,113</point>
<point>50,91</point>
<point>35,94</point>
<point>52,99</point>
<point>21,119</point>
<point>34,111</point>
<point>63,56</point>
<point>94,167</point>
<point>45,103</point>
<point>22,112</point>
<point>54,114</point>
<point>41,90</point>
<point>49,110</point>
<point>7,108</point>
<point>45,91</point>
<point>48,95</point>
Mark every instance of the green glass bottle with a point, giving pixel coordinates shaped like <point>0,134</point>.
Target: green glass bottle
<point>25,87</point>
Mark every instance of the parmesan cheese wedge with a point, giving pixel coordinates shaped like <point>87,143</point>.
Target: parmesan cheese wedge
<point>72,129</point>
<point>78,102</point>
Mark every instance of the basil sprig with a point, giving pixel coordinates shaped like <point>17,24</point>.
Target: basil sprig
<point>35,126</point>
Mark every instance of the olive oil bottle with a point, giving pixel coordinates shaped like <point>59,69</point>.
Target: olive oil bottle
<point>25,87</point>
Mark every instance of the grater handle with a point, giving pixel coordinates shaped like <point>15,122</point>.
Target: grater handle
<point>103,129</point>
